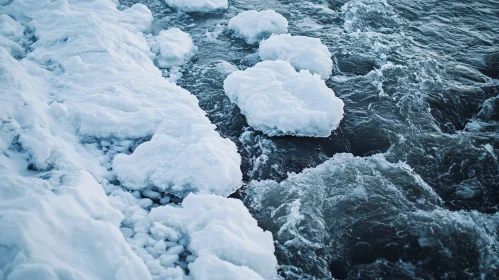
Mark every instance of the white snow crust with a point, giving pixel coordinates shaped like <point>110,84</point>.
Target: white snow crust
<point>200,6</point>
<point>253,26</point>
<point>304,53</point>
<point>85,97</point>
<point>173,47</point>
<point>177,162</point>
<point>277,100</point>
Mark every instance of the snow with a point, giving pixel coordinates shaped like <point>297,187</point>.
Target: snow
<point>304,53</point>
<point>277,100</point>
<point>10,29</point>
<point>85,97</point>
<point>214,237</point>
<point>201,6</point>
<point>233,249</point>
<point>173,47</point>
<point>62,232</point>
<point>176,162</point>
<point>253,26</point>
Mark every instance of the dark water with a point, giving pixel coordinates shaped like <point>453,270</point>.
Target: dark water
<point>420,82</point>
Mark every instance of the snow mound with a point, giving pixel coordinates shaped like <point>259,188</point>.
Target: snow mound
<point>176,162</point>
<point>66,231</point>
<point>201,6</point>
<point>10,29</point>
<point>253,26</point>
<point>304,53</point>
<point>277,100</point>
<point>224,238</point>
<point>172,47</point>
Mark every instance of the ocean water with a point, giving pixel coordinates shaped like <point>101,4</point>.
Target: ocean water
<point>420,80</point>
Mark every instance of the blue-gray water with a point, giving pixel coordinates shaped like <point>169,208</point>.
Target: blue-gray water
<point>420,82</point>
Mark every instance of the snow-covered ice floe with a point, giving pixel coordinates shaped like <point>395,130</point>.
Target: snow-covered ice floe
<point>253,26</point>
<point>201,6</point>
<point>79,95</point>
<point>277,100</point>
<point>173,47</point>
<point>304,53</point>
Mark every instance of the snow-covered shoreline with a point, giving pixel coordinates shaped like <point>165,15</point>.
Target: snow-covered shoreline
<point>80,92</point>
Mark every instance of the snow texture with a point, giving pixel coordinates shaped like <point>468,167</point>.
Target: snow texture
<point>200,6</point>
<point>233,249</point>
<point>304,53</point>
<point>214,237</point>
<point>253,26</point>
<point>173,47</point>
<point>80,94</point>
<point>277,100</point>
<point>176,162</point>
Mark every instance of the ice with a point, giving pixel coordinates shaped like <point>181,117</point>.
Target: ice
<point>85,97</point>
<point>277,100</point>
<point>179,164</point>
<point>10,29</point>
<point>173,47</point>
<point>304,53</point>
<point>212,236</point>
<point>108,87</point>
<point>223,236</point>
<point>201,6</point>
<point>211,267</point>
<point>253,26</point>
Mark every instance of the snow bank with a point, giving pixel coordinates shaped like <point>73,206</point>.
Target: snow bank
<point>86,92</point>
<point>304,53</point>
<point>56,220</point>
<point>108,87</point>
<point>253,26</point>
<point>173,47</point>
<point>212,236</point>
<point>66,231</point>
<point>280,101</point>
<point>201,6</point>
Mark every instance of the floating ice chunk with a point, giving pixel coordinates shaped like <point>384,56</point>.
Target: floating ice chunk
<point>253,26</point>
<point>223,235</point>
<point>304,53</point>
<point>201,6</point>
<point>192,158</point>
<point>173,47</point>
<point>280,101</point>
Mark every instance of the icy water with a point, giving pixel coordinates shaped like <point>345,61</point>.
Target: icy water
<point>420,82</point>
